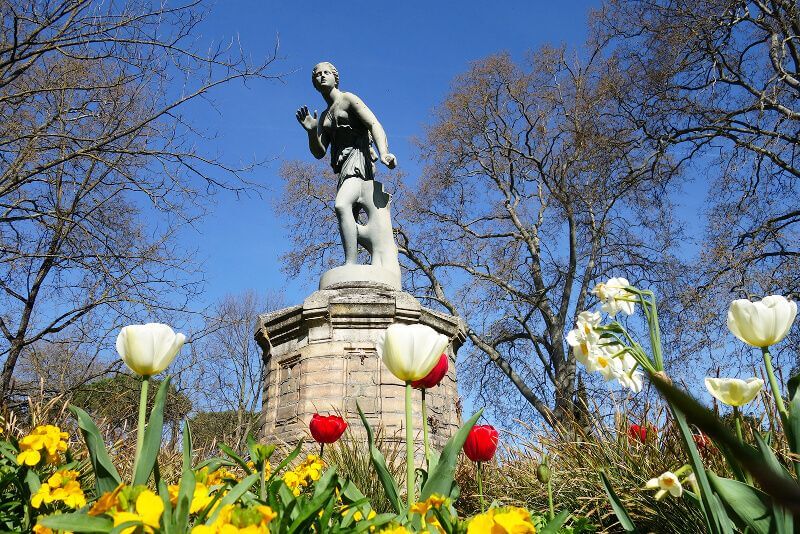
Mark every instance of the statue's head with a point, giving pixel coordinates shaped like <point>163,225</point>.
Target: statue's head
<point>324,65</point>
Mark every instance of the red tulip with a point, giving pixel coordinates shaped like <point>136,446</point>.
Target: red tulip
<point>481,443</point>
<point>434,377</point>
<point>640,432</point>
<point>702,441</point>
<point>327,429</point>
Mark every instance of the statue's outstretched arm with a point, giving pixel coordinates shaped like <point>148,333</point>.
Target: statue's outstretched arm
<point>371,122</point>
<point>317,142</point>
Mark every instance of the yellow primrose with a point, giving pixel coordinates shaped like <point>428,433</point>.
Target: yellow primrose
<point>62,486</point>
<point>234,519</point>
<point>107,501</point>
<point>47,439</point>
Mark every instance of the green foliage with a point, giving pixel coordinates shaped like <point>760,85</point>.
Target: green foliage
<point>114,400</point>
<point>211,428</point>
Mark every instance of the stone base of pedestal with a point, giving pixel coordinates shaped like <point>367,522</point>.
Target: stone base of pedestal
<point>320,358</point>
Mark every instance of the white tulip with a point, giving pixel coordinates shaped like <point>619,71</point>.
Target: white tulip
<point>613,296</point>
<point>733,391</point>
<point>410,351</point>
<point>762,323</point>
<point>665,483</point>
<point>148,348</point>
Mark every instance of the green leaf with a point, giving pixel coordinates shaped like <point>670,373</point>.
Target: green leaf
<point>237,491</point>
<point>235,457</point>
<point>752,508</point>
<point>782,488</point>
<point>151,444</point>
<point>310,511</point>
<point>793,424</point>
<point>77,522</point>
<point>379,463</point>
<point>187,484</point>
<point>440,479</point>
<point>105,474</point>
<point>555,524</point>
<point>623,517</point>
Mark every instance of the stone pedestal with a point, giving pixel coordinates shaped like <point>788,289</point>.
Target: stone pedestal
<point>320,358</point>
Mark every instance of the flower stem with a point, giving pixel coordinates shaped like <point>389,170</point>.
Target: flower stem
<point>480,485</point>
<point>321,450</point>
<point>425,432</point>
<point>409,449</point>
<point>737,418</point>
<point>773,384</point>
<point>142,422</point>
<point>550,498</point>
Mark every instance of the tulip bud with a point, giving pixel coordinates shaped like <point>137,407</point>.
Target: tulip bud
<point>762,323</point>
<point>148,348</point>
<point>481,443</point>
<point>433,378</point>
<point>327,429</point>
<point>543,473</point>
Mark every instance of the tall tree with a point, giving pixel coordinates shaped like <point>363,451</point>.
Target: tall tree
<point>537,184</point>
<point>98,165</point>
<point>720,81</point>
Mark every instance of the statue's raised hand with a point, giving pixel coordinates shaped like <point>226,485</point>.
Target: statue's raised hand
<point>305,118</point>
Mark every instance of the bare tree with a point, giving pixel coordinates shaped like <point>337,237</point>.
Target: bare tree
<point>720,81</point>
<point>229,366</point>
<point>98,165</point>
<point>537,184</point>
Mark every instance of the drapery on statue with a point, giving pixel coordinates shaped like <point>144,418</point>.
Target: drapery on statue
<point>349,127</point>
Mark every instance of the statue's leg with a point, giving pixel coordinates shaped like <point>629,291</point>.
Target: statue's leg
<point>346,197</point>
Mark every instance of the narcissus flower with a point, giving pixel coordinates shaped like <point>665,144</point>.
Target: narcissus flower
<point>733,391</point>
<point>148,348</point>
<point>762,323</point>
<point>614,296</point>
<point>481,443</point>
<point>327,429</point>
<point>436,375</point>
<point>410,351</point>
<point>665,483</point>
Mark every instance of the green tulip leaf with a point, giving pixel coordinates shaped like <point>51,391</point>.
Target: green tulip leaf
<point>151,444</point>
<point>793,422</point>
<point>235,457</point>
<point>783,489</point>
<point>379,462</point>
<point>554,525</point>
<point>623,517</point>
<point>440,479</point>
<point>105,474</point>
<point>77,522</point>
<point>187,484</point>
<point>748,506</point>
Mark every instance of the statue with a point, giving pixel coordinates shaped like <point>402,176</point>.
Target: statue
<point>349,127</point>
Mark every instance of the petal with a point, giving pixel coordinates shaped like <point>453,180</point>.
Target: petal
<point>739,318</point>
<point>164,359</point>
<point>398,351</point>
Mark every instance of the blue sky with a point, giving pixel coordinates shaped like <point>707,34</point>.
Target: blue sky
<point>398,57</point>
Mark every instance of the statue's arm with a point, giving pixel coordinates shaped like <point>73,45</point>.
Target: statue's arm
<point>317,141</point>
<point>365,115</point>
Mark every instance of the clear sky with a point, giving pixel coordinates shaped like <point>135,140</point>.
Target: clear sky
<point>399,57</point>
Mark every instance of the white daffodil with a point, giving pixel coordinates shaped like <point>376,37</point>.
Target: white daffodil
<point>613,296</point>
<point>733,391</point>
<point>148,348</point>
<point>584,337</point>
<point>665,483</point>
<point>410,351</point>
<point>762,323</point>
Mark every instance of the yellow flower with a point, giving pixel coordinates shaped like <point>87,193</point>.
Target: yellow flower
<point>47,439</point>
<point>200,499</point>
<point>62,486</point>
<point>108,501</point>
<point>234,519</point>
<point>396,530</point>
<point>149,508</point>
<point>509,520</point>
